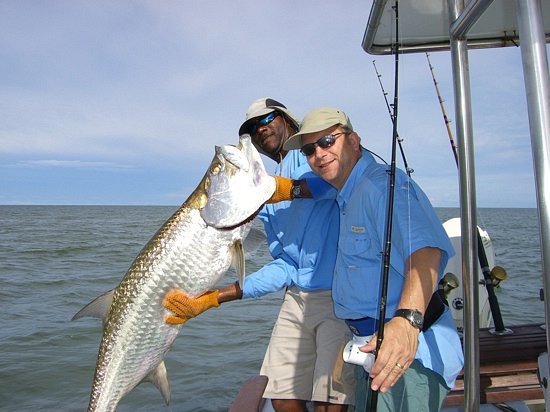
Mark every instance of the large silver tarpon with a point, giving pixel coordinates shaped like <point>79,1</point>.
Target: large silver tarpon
<point>191,251</point>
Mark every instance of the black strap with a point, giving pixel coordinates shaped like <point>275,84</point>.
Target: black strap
<point>435,309</point>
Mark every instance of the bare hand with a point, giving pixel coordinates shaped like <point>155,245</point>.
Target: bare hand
<point>396,353</point>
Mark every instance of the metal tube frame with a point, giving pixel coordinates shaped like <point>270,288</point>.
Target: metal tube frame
<point>537,89</point>
<point>537,86</point>
<point>470,272</point>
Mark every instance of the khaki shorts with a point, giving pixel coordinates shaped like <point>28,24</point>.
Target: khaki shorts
<point>305,347</point>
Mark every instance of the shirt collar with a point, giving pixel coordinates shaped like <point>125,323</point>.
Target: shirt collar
<point>358,170</point>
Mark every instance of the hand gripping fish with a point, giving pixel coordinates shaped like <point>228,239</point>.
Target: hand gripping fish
<point>191,252</point>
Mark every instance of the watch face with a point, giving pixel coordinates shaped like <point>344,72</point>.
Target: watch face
<point>296,190</point>
<point>413,316</point>
<point>417,319</point>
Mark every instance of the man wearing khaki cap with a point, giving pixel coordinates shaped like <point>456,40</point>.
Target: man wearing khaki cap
<point>420,355</point>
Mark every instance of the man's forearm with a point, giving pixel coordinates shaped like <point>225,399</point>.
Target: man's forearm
<point>420,278</point>
<point>230,292</point>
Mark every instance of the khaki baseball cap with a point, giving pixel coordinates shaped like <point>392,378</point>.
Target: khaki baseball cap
<point>316,120</point>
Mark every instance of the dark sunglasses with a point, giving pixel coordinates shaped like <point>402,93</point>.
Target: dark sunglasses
<point>324,143</point>
<point>264,121</point>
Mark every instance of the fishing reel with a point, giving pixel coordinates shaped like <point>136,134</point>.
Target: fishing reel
<point>450,280</point>
<point>494,277</point>
<point>448,283</point>
<point>353,355</point>
<point>498,274</point>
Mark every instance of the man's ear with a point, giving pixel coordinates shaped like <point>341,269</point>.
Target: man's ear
<point>355,141</point>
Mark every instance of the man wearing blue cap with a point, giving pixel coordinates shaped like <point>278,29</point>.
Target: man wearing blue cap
<point>302,237</point>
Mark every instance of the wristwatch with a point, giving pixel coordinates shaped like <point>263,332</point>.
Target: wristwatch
<point>296,190</point>
<point>414,316</point>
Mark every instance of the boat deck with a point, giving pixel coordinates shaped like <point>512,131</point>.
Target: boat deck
<point>508,371</point>
<point>508,366</point>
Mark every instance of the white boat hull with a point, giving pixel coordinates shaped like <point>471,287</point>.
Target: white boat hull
<point>456,296</point>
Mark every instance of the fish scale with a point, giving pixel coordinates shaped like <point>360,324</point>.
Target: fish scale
<point>187,253</point>
<point>142,316</point>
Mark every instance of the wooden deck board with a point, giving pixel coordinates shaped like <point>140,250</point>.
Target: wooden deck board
<point>508,366</point>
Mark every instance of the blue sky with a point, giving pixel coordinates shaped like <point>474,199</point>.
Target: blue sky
<point>122,102</point>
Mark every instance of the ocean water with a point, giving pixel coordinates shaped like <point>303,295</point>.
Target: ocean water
<point>55,259</point>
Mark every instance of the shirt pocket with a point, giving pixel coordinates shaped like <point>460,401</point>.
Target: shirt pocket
<point>357,251</point>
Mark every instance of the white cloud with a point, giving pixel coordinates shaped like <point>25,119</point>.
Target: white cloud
<point>159,83</point>
<point>75,164</point>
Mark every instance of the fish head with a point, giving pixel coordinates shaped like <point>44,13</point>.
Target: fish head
<point>236,185</point>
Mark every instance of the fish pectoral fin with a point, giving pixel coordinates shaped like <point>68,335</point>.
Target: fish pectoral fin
<point>97,308</point>
<point>253,241</point>
<point>159,378</point>
<point>238,261</point>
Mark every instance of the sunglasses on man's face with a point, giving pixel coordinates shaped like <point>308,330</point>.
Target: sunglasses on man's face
<point>324,143</point>
<point>264,121</point>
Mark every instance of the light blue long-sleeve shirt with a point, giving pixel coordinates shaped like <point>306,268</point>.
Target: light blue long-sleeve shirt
<point>363,209</point>
<point>302,238</point>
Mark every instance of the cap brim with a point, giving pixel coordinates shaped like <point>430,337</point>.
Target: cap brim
<point>262,112</point>
<point>293,142</point>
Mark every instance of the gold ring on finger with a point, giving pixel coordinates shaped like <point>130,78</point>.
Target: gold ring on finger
<point>399,366</point>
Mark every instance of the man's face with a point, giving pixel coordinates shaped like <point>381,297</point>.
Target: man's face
<point>335,161</point>
<point>268,133</point>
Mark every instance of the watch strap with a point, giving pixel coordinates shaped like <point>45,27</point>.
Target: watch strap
<point>414,317</point>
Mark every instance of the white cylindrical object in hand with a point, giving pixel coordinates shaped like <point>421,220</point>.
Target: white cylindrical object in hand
<point>352,354</point>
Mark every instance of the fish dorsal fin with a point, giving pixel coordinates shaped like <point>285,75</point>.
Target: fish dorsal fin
<point>253,241</point>
<point>159,378</point>
<point>238,261</point>
<point>97,308</point>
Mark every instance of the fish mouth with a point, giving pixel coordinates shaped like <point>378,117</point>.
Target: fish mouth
<point>244,222</point>
<point>235,187</point>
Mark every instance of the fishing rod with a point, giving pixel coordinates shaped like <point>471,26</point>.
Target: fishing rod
<point>489,275</point>
<point>445,118</point>
<point>372,394</point>
<point>399,139</point>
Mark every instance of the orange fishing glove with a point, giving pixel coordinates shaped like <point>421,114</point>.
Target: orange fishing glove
<point>283,190</point>
<point>186,307</point>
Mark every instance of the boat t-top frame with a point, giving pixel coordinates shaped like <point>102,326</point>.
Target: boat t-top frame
<point>452,25</point>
